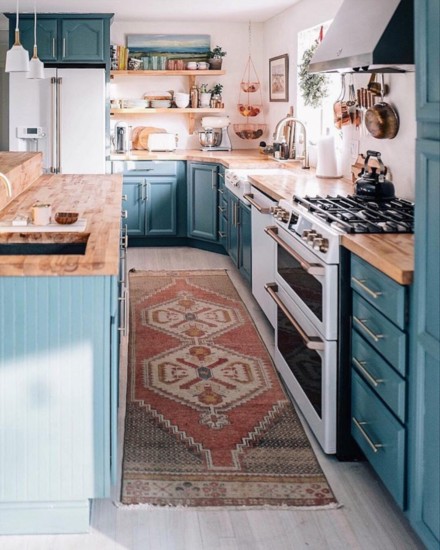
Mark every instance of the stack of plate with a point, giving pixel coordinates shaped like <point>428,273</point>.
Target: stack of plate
<point>135,103</point>
<point>160,103</point>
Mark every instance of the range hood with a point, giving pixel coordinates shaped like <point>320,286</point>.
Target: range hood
<point>369,35</point>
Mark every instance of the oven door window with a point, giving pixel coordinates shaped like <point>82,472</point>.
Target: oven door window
<point>306,286</point>
<point>305,364</point>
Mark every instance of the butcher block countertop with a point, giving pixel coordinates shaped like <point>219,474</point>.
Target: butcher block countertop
<point>21,169</point>
<point>96,198</point>
<point>392,254</point>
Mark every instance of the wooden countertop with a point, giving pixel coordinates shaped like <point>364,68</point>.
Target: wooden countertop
<point>97,198</point>
<point>21,169</point>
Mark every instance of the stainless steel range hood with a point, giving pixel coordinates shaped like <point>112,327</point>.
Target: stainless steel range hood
<point>370,35</point>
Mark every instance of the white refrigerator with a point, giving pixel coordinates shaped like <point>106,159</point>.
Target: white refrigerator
<point>63,116</point>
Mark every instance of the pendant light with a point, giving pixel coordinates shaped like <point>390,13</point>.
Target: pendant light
<point>17,58</point>
<point>36,67</point>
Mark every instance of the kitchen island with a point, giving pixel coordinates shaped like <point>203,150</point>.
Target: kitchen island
<point>59,361</point>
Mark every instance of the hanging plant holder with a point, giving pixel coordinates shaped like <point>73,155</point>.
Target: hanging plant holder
<point>250,101</point>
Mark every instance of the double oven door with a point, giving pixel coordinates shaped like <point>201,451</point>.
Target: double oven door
<point>305,292</point>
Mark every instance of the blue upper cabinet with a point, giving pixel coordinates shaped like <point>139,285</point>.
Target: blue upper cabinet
<point>424,412</point>
<point>66,38</point>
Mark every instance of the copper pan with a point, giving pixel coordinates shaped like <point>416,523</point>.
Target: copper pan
<point>381,120</point>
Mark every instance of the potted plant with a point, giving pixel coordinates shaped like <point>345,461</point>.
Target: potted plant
<point>216,95</point>
<point>216,58</point>
<point>204,95</point>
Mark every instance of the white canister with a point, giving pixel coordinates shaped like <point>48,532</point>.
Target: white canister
<point>41,214</point>
<point>326,165</point>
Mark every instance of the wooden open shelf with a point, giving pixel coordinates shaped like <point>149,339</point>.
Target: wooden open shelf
<point>167,73</point>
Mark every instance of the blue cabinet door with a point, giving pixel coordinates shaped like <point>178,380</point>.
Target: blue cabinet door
<point>202,201</point>
<point>161,206</point>
<point>82,40</point>
<point>245,263</point>
<point>46,38</point>
<point>233,227</point>
<point>135,189</point>
<point>424,413</point>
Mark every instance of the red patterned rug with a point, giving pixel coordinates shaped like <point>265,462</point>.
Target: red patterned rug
<point>208,423</point>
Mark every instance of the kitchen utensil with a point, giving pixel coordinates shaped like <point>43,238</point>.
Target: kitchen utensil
<point>162,142</point>
<point>373,185</point>
<point>121,137</point>
<point>327,166</point>
<point>66,218</point>
<point>352,105</point>
<point>340,109</point>
<point>381,120</point>
<point>215,125</point>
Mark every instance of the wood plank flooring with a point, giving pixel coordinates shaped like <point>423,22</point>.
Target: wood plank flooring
<point>367,519</point>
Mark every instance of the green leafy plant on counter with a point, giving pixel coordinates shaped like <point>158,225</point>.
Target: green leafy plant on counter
<point>313,86</point>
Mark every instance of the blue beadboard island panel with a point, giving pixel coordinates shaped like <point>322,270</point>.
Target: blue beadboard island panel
<point>55,377</point>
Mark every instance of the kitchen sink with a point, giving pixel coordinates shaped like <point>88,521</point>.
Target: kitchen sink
<point>37,249</point>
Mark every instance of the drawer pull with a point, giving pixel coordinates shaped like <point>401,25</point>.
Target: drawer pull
<point>250,197</point>
<point>374,446</point>
<point>222,234</point>
<point>361,283</point>
<point>361,366</point>
<point>361,323</point>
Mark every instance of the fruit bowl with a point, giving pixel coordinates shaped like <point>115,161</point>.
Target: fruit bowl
<point>250,87</point>
<point>249,110</point>
<point>64,218</point>
<point>249,131</point>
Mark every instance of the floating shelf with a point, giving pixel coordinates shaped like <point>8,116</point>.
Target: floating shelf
<point>191,113</point>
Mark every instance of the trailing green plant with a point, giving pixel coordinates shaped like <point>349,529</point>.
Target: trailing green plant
<point>313,86</point>
<point>217,52</point>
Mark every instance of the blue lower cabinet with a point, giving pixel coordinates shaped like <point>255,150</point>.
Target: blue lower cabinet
<point>57,377</point>
<point>203,201</point>
<point>239,234</point>
<point>380,436</point>
<point>134,190</point>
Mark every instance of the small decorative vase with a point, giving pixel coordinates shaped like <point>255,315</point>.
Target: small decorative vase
<point>205,99</point>
<point>215,63</point>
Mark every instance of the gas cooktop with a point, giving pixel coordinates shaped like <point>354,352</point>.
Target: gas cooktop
<point>353,214</point>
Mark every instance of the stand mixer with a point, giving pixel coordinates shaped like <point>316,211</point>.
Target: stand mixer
<point>214,136</point>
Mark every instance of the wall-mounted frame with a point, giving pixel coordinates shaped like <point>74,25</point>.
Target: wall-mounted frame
<point>279,78</point>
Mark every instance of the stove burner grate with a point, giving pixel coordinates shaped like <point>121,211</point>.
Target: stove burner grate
<point>355,215</point>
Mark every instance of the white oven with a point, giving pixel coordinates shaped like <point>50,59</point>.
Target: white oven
<point>311,283</point>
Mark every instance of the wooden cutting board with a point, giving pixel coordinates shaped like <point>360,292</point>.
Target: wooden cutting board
<point>139,135</point>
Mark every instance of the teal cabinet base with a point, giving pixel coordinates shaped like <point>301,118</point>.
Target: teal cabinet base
<point>50,518</point>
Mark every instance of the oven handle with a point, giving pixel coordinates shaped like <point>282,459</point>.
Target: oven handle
<point>250,197</point>
<point>312,269</point>
<point>311,342</point>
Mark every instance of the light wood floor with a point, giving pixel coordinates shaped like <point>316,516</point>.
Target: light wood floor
<point>367,520</point>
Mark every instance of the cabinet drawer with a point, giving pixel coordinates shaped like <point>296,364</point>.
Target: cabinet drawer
<point>378,375</point>
<point>380,436</point>
<point>385,337</point>
<point>144,168</point>
<point>378,289</point>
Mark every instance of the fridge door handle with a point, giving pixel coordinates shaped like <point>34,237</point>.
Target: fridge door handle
<point>53,123</point>
<point>59,82</point>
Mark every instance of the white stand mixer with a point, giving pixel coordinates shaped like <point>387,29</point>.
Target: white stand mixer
<point>214,136</point>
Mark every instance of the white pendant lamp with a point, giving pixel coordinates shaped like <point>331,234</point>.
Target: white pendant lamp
<point>36,67</point>
<point>17,58</point>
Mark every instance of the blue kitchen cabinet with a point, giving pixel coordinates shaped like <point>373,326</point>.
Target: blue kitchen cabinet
<point>239,234</point>
<point>155,198</point>
<point>203,201</point>
<point>66,38</point>
<point>222,209</point>
<point>379,378</point>
<point>58,372</point>
<point>424,375</point>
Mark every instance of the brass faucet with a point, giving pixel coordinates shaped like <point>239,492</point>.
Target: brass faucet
<point>7,184</point>
<point>280,127</point>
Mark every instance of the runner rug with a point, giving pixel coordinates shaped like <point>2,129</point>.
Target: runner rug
<point>208,422</point>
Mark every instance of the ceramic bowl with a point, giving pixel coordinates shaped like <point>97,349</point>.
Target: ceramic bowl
<point>66,218</point>
<point>182,103</point>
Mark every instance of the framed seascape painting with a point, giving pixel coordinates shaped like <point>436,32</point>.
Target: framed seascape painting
<point>183,46</point>
<point>279,78</point>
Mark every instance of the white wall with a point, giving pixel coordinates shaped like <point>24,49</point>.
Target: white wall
<point>232,37</point>
<point>398,154</point>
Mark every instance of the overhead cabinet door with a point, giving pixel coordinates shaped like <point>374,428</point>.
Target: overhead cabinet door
<point>82,40</point>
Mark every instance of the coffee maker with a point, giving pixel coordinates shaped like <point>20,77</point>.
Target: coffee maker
<point>121,137</point>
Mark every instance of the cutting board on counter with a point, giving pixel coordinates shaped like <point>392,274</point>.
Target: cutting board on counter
<point>139,136</point>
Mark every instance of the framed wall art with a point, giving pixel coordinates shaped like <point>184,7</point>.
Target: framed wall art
<point>279,78</point>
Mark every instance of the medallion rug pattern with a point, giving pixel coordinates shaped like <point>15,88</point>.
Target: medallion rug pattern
<point>208,422</point>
